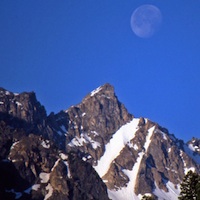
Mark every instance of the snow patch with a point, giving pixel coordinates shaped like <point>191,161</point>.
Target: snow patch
<point>115,145</point>
<point>190,146</point>
<point>164,136</point>
<point>135,147</point>
<point>146,120</point>
<point>84,138</point>
<point>44,177</point>
<point>18,103</point>
<point>14,160</point>
<point>172,193</point>
<point>193,148</point>
<point>33,187</point>
<point>75,127</point>
<point>56,163</point>
<point>77,141</point>
<point>95,144</point>
<point>84,158</point>
<point>13,145</point>
<point>95,133</point>
<point>50,191</point>
<point>103,95</point>
<point>192,154</point>
<point>63,156</point>
<point>186,169</point>
<point>128,191</point>
<point>45,144</point>
<point>95,91</point>
<point>130,144</point>
<point>83,114</point>
<point>7,93</point>
<point>68,171</point>
<point>36,187</point>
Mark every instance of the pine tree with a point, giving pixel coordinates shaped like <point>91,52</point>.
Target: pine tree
<point>148,198</point>
<point>190,187</point>
<point>198,188</point>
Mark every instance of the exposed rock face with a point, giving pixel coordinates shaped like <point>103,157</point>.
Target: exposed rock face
<point>92,125</point>
<point>25,111</point>
<point>93,122</point>
<point>42,170</point>
<point>87,150</point>
<point>23,106</point>
<point>36,169</point>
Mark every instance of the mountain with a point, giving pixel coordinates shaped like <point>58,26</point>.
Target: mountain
<point>93,150</point>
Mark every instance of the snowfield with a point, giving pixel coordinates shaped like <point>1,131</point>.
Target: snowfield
<point>116,144</point>
<point>128,191</point>
<point>112,150</point>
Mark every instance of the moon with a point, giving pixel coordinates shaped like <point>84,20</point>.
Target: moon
<point>146,21</point>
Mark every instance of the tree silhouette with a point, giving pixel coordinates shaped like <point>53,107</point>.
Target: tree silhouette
<point>145,197</point>
<point>190,187</point>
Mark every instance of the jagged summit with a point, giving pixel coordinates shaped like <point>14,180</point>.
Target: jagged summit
<point>106,91</point>
<point>24,105</point>
<point>194,144</point>
<point>4,91</point>
<point>96,118</point>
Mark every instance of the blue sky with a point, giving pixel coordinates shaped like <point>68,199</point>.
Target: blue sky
<point>64,49</point>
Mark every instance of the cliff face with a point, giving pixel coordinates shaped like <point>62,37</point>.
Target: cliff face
<point>31,165</point>
<point>133,156</point>
<point>33,168</point>
<point>93,150</point>
<point>23,106</point>
<point>91,124</point>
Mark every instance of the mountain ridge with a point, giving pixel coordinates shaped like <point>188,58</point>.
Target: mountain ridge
<point>132,156</point>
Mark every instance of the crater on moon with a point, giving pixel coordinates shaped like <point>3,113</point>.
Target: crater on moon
<point>146,20</point>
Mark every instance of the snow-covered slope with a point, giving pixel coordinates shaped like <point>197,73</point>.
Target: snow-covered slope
<point>119,140</point>
<point>127,192</point>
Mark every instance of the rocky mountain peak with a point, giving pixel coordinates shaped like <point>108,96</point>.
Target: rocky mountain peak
<point>94,120</point>
<point>23,106</point>
<point>105,90</point>
<point>23,110</point>
<point>106,151</point>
